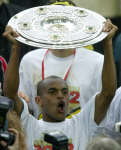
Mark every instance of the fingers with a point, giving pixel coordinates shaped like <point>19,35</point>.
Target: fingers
<point>110,28</point>
<point>107,26</point>
<point>9,30</point>
<point>3,143</point>
<point>10,34</point>
<point>14,131</point>
<point>15,146</point>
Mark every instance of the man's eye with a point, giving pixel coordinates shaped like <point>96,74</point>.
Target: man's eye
<point>52,92</point>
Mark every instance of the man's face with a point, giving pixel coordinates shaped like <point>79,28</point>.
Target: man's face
<point>54,100</point>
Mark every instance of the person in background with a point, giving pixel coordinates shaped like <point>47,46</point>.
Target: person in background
<point>103,143</point>
<point>13,125</point>
<point>3,67</point>
<point>7,10</point>
<point>117,57</point>
<point>14,146</point>
<point>28,3</point>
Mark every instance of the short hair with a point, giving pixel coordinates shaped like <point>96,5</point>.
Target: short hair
<point>41,84</point>
<point>103,143</point>
<point>61,2</point>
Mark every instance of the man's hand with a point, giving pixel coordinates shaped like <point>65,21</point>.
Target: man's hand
<point>111,28</point>
<point>15,146</point>
<point>10,34</point>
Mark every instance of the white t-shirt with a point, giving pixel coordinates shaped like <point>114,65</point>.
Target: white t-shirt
<point>84,79</point>
<point>107,126</point>
<point>79,129</point>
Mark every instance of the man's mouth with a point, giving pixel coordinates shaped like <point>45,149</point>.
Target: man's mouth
<point>61,107</point>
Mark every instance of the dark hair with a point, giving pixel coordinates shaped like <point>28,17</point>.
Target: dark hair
<point>103,143</point>
<point>41,84</point>
<point>55,1</point>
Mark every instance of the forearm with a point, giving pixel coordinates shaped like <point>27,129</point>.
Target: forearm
<point>109,83</point>
<point>11,81</point>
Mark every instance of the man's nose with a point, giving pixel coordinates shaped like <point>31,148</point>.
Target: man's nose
<point>60,95</point>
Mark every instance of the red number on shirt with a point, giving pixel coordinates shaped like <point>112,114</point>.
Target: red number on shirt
<point>70,147</point>
<point>75,96</point>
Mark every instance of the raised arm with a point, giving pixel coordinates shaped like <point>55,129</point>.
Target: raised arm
<point>109,83</point>
<point>11,81</point>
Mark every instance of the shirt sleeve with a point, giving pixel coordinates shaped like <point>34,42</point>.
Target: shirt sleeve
<point>113,115</point>
<point>30,125</point>
<point>27,119</point>
<point>87,122</point>
<point>86,117</point>
<point>88,112</point>
<point>25,82</point>
<point>25,111</point>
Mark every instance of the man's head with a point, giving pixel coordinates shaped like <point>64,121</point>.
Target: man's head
<point>52,97</point>
<point>103,143</point>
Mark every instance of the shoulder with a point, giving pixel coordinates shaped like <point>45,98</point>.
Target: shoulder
<point>33,56</point>
<point>89,56</point>
<point>83,50</point>
<point>118,93</point>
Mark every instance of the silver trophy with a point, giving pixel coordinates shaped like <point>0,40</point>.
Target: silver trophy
<point>58,27</point>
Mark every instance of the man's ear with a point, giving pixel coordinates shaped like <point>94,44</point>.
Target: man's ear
<point>38,100</point>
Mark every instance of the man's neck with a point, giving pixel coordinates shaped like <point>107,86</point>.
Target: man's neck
<point>62,52</point>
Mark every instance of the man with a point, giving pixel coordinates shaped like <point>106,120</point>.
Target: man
<point>103,143</point>
<point>83,83</point>
<point>53,98</point>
